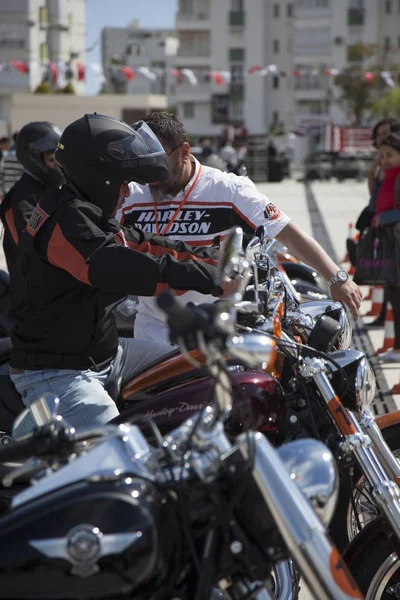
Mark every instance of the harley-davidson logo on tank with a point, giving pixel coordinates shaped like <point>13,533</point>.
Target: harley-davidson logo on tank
<point>83,546</point>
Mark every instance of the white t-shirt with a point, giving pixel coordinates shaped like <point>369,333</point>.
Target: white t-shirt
<point>216,202</point>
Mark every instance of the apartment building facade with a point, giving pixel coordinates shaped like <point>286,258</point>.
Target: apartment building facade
<point>148,52</point>
<point>307,40</point>
<point>229,37</point>
<point>37,32</point>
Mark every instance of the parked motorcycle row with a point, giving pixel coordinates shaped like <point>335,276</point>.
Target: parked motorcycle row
<point>246,459</point>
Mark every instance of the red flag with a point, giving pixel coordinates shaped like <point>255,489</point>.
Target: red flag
<point>53,72</point>
<point>129,74</point>
<point>217,77</point>
<point>21,66</point>
<point>369,77</point>
<point>254,69</point>
<point>81,69</point>
<point>176,73</point>
<point>296,73</point>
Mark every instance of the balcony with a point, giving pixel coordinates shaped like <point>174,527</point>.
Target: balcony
<point>237,18</point>
<point>193,21</point>
<point>185,92</point>
<point>355,17</point>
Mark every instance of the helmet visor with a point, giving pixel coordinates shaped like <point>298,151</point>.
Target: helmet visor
<point>47,143</point>
<point>127,148</point>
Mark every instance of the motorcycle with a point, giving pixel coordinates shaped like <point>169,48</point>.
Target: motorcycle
<point>172,390</point>
<point>195,516</point>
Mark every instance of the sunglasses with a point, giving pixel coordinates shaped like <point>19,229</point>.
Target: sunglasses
<point>174,150</point>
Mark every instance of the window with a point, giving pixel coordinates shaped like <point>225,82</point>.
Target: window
<point>388,7</point>
<point>289,10</point>
<point>188,110</point>
<point>237,110</point>
<point>388,43</point>
<point>71,20</point>
<point>276,11</point>
<point>312,3</point>
<point>276,82</point>
<point>276,46</point>
<point>43,16</point>
<point>186,7</point>
<point>237,5</point>
<point>44,51</point>
<point>237,75</point>
<point>275,117</point>
<point>236,54</point>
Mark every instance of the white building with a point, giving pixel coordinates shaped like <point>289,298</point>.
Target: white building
<point>232,36</point>
<point>305,39</point>
<point>148,52</point>
<point>36,32</point>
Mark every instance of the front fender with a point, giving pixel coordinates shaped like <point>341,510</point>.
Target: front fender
<point>377,527</point>
<point>388,420</point>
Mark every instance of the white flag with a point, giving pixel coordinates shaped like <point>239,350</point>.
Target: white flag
<point>387,78</point>
<point>98,69</point>
<point>145,71</point>
<point>190,76</point>
<point>61,81</point>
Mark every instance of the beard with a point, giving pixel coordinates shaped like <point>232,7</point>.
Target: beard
<point>169,187</point>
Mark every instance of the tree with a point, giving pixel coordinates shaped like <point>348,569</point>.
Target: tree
<point>388,105</point>
<point>43,88</point>
<point>357,93</point>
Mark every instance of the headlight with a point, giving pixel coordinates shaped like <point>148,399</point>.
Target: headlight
<point>365,384</point>
<point>346,334</point>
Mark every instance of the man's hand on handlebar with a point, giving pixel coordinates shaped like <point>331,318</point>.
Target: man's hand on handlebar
<point>230,286</point>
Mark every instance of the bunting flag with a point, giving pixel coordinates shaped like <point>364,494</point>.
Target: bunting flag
<point>190,76</point>
<point>59,72</point>
<point>220,77</point>
<point>387,78</point>
<point>146,72</point>
<point>129,74</point>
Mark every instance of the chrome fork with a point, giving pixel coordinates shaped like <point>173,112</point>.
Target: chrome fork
<point>364,440</point>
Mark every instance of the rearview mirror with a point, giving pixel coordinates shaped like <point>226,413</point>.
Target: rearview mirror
<point>231,253</point>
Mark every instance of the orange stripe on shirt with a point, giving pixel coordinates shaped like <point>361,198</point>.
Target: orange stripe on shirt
<point>61,253</point>
<point>9,217</point>
<point>242,216</point>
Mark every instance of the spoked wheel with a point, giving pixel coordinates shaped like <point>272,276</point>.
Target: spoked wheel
<point>356,507</point>
<point>376,566</point>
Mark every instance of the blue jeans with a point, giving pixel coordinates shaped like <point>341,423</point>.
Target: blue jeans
<point>83,399</point>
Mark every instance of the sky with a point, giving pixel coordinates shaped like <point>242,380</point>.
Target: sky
<point>119,13</point>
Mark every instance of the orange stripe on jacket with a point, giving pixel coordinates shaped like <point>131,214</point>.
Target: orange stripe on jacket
<point>159,251</point>
<point>61,253</point>
<point>9,217</point>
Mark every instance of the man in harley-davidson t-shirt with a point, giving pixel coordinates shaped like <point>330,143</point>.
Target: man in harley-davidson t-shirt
<point>197,204</point>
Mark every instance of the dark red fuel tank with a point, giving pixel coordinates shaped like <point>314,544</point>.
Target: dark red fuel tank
<point>258,403</point>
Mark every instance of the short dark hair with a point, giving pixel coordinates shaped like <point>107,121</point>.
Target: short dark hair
<point>392,140</point>
<point>4,140</point>
<point>387,121</point>
<point>15,135</point>
<point>168,128</point>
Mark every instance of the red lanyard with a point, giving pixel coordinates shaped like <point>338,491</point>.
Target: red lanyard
<point>168,226</point>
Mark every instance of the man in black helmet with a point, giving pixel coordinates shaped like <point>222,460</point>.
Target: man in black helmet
<point>35,148</point>
<point>75,264</point>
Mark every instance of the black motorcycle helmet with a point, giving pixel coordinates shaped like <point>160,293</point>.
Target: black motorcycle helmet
<point>33,140</point>
<point>98,153</point>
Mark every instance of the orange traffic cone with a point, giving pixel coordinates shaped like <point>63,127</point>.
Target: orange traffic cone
<point>349,235</point>
<point>369,297</point>
<point>388,342</point>
<point>395,389</point>
<point>377,302</point>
